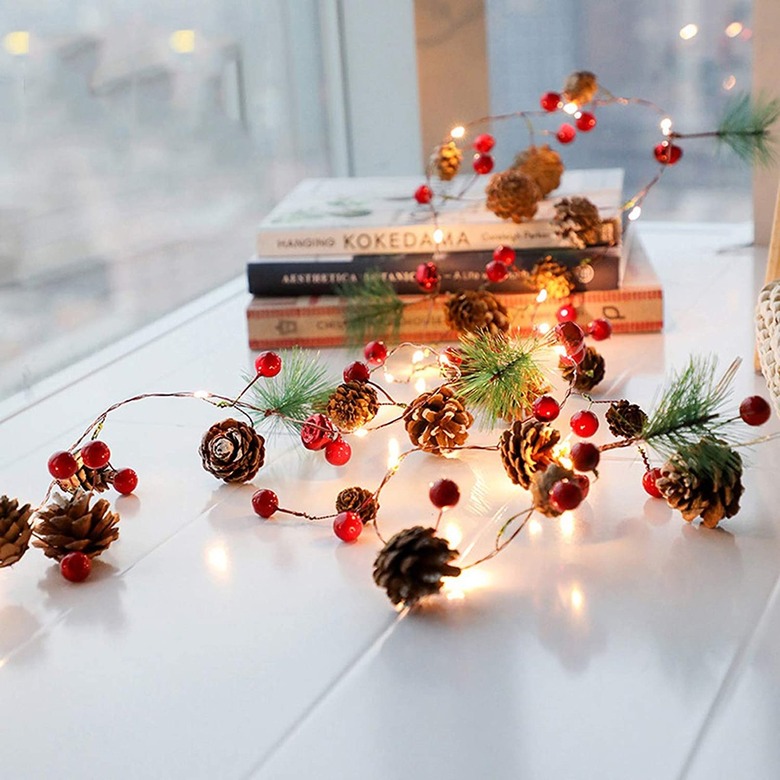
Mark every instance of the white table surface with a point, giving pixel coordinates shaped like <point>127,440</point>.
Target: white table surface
<point>618,643</point>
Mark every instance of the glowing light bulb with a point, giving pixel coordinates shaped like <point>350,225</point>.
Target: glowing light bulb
<point>389,377</point>
<point>420,385</point>
<point>543,327</point>
<point>361,433</point>
<point>729,82</point>
<point>562,451</point>
<point>418,356</point>
<point>635,213</point>
<point>182,41</point>
<point>458,131</point>
<point>542,297</point>
<point>438,236</point>
<point>666,125</point>
<point>17,43</point>
<point>571,108</point>
<point>534,527</point>
<point>559,350</point>
<point>734,29</point>
<point>393,453</point>
<point>201,394</point>
<point>689,31</point>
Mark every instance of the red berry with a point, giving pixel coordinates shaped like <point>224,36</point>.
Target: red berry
<point>265,502</point>
<point>338,452</point>
<point>357,372</point>
<point>453,356</point>
<point>586,122</point>
<point>483,163</point>
<point>504,254</point>
<point>570,335</point>
<point>754,410</point>
<point>423,194</point>
<point>546,408</point>
<point>585,456</point>
<point>649,479</point>
<point>496,271</point>
<point>667,153</point>
<point>348,526</point>
<point>550,101</point>
<point>565,494</point>
<point>375,353</point>
<point>268,364</point>
<point>427,276</point>
<point>484,143</point>
<point>600,329</point>
<point>584,484</point>
<point>125,481</point>
<point>566,313</point>
<point>95,455</point>
<point>317,432</point>
<point>444,492</point>
<point>62,465</point>
<point>584,423</point>
<point>76,566</point>
<point>566,133</point>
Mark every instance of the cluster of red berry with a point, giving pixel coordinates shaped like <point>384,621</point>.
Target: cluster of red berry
<point>585,121</point>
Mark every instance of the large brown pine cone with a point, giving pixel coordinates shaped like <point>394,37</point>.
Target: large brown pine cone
<point>548,274</point>
<point>412,564</point>
<point>713,495</point>
<point>15,530</point>
<point>86,479</point>
<point>352,405</point>
<point>359,500</point>
<point>526,448</point>
<point>625,420</point>
<point>588,373</point>
<point>232,451</point>
<point>581,87</point>
<point>437,421</point>
<point>578,221</point>
<point>476,311</point>
<point>69,524</point>
<point>446,161</point>
<point>543,165</point>
<point>512,194</point>
<point>542,483</point>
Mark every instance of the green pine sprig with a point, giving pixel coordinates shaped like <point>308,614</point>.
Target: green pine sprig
<point>373,308</point>
<point>500,376</point>
<point>745,128</point>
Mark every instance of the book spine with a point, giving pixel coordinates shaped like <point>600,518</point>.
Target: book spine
<point>314,323</point>
<point>598,270</point>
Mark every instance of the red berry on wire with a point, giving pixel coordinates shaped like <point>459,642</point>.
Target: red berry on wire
<point>550,101</point>
<point>496,271</point>
<point>338,452</point>
<point>423,194</point>
<point>600,329</point>
<point>584,484</point>
<point>125,481</point>
<point>586,122</point>
<point>375,353</point>
<point>427,276</point>
<point>565,495</point>
<point>268,364</point>
<point>95,455</point>
<point>75,566</point>
<point>504,254</point>
<point>62,465</point>
<point>484,142</point>
<point>357,372</point>
<point>265,502</point>
<point>483,163</point>
<point>667,153</point>
<point>649,479</point>
<point>566,133</point>
<point>443,493</point>
<point>348,526</point>
<point>585,456</point>
<point>754,410</point>
<point>546,408</point>
<point>584,423</point>
<point>317,432</point>
<point>566,313</point>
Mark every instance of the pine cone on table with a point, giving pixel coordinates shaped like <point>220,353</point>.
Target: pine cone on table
<point>548,274</point>
<point>86,479</point>
<point>446,161</point>
<point>352,405</point>
<point>578,221</point>
<point>359,500</point>
<point>581,87</point>
<point>69,524</point>
<point>542,483</point>
<point>588,373</point>
<point>512,194</point>
<point>232,451</point>
<point>527,447</point>
<point>543,165</point>
<point>476,311</point>
<point>625,420</point>
<point>15,530</point>
<point>437,421</point>
<point>412,564</point>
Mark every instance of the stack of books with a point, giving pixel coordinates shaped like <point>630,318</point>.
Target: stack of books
<point>328,232</point>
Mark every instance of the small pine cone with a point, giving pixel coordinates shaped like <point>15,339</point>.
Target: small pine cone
<point>578,221</point>
<point>232,451</point>
<point>476,311</point>
<point>548,274</point>
<point>543,165</point>
<point>446,161</point>
<point>542,483</point>
<point>588,373</point>
<point>352,405</point>
<point>512,194</point>
<point>581,87</point>
<point>625,420</point>
<point>527,447</point>
<point>86,479</point>
<point>15,530</point>
<point>69,524</point>
<point>358,500</point>
<point>412,564</point>
<point>437,421</point>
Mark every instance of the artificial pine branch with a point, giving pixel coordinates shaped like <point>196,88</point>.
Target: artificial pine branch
<point>373,308</point>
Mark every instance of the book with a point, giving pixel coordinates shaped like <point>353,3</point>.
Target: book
<point>592,269</point>
<point>318,321</point>
<point>378,215</point>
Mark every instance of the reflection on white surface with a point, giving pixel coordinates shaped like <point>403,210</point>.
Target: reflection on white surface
<point>218,559</point>
<point>420,385</point>
<point>566,523</point>
<point>456,588</point>
<point>534,527</point>
<point>577,599</point>
<point>182,41</point>
<point>453,534</point>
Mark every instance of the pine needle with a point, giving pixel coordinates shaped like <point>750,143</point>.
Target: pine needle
<point>745,128</point>
<point>373,308</point>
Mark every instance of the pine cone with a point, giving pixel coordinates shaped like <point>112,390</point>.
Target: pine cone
<point>352,405</point>
<point>542,483</point>
<point>411,565</point>
<point>713,495</point>
<point>548,274</point>
<point>512,194</point>
<point>578,221</point>
<point>589,372</point>
<point>69,524</point>
<point>232,451</point>
<point>625,420</point>
<point>86,479</point>
<point>437,421</point>
<point>543,165</point>
<point>15,530</point>
<point>476,311</point>
<point>527,447</point>
<point>581,87</point>
<point>358,500</point>
<point>446,161</point>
